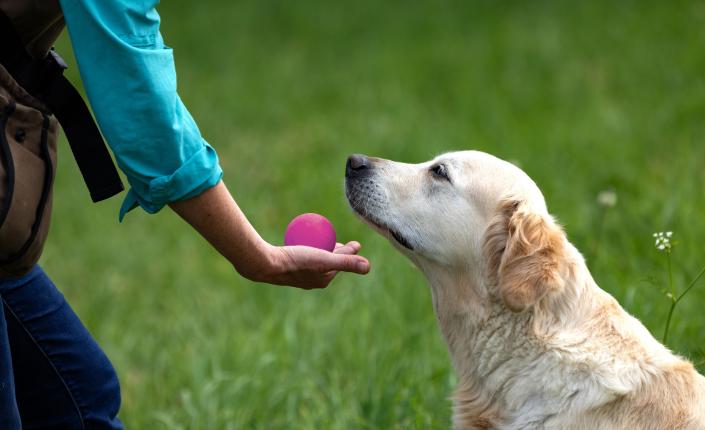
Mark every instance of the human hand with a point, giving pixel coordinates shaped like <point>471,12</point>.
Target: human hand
<point>311,268</point>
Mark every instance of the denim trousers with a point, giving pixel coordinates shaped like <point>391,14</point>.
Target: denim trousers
<point>53,375</point>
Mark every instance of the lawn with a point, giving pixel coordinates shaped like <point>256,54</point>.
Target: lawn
<point>584,96</point>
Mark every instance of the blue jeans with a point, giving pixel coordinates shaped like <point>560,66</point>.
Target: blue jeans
<point>53,375</point>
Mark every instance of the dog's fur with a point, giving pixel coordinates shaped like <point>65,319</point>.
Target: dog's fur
<point>535,342</point>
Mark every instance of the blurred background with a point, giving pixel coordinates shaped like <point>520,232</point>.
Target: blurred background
<point>586,97</point>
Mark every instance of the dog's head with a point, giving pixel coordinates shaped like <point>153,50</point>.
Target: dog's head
<point>464,211</point>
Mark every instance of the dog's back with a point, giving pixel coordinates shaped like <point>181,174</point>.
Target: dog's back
<point>674,400</point>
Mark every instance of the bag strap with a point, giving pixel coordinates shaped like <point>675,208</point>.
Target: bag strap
<point>44,80</point>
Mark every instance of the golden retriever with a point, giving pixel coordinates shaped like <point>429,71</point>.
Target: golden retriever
<point>536,344</point>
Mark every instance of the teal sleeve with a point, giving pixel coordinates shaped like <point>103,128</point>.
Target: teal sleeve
<point>130,80</point>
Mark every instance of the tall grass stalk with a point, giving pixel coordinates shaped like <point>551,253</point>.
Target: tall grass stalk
<point>663,243</point>
<point>672,295</point>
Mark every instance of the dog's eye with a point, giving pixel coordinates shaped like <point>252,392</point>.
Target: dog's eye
<point>440,171</point>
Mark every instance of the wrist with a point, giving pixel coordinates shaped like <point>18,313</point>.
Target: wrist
<point>261,264</point>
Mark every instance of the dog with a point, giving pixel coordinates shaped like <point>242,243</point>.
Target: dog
<point>536,344</point>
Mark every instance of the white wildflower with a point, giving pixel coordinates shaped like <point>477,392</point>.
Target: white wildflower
<point>663,241</point>
<point>607,198</point>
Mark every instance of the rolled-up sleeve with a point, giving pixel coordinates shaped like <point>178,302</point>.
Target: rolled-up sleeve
<point>130,80</point>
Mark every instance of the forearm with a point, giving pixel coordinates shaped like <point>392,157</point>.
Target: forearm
<point>217,217</point>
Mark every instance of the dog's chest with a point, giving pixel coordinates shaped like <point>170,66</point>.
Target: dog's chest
<point>510,380</point>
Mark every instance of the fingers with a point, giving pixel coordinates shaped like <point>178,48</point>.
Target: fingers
<point>323,261</point>
<point>349,248</point>
<point>346,263</point>
<point>301,259</point>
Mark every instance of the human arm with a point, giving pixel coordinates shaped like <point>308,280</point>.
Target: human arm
<point>130,80</point>
<point>217,217</point>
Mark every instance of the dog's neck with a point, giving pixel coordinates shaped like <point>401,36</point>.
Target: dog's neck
<point>502,358</point>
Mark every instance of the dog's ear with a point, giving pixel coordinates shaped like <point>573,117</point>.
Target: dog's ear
<point>524,251</point>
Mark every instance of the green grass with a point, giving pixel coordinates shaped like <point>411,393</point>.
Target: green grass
<point>584,96</point>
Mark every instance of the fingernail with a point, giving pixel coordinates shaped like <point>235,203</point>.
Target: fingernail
<point>362,266</point>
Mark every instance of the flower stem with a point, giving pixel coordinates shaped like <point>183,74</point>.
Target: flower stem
<point>670,274</point>
<point>674,299</point>
<point>692,284</point>
<point>672,296</point>
<point>668,322</point>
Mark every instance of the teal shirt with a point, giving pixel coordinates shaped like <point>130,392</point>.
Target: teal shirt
<point>130,80</point>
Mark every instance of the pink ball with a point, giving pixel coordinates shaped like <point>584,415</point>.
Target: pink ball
<point>310,230</point>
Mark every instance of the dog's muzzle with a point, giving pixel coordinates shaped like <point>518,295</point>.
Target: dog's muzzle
<point>365,197</point>
<point>360,187</point>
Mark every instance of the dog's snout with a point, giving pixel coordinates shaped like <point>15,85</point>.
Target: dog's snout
<point>356,165</point>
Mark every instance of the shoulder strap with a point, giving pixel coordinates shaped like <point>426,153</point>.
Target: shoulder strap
<point>44,80</point>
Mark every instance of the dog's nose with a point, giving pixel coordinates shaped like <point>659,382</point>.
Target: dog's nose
<point>357,163</point>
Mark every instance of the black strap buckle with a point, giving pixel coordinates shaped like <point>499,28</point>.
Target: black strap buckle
<point>57,61</point>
